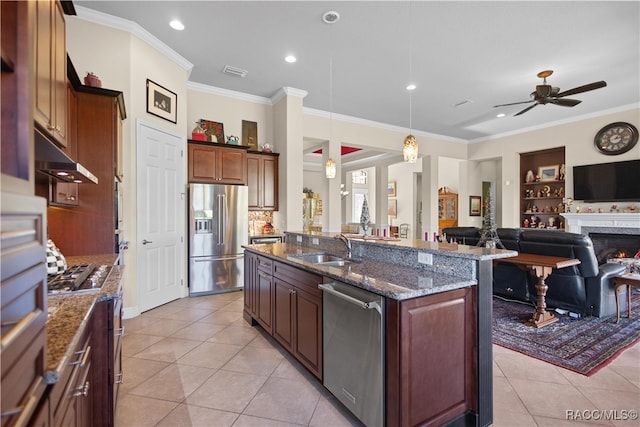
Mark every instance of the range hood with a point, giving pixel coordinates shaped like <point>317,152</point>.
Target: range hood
<point>52,161</point>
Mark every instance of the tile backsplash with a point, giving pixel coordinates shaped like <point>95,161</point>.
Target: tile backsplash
<point>257,220</point>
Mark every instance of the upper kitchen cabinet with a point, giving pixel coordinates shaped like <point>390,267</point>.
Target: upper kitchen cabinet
<point>50,60</point>
<point>89,228</point>
<point>262,180</point>
<point>16,58</point>
<point>217,163</point>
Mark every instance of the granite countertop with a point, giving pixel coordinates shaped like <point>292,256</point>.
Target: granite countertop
<point>69,314</point>
<point>382,278</point>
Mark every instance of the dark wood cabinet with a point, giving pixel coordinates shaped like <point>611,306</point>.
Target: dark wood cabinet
<point>217,163</point>
<point>71,397</point>
<point>287,303</point>
<point>262,180</point>
<point>17,82</point>
<point>99,113</point>
<point>23,299</point>
<point>107,375</point>
<point>431,358</point>
<point>50,112</point>
<point>542,188</point>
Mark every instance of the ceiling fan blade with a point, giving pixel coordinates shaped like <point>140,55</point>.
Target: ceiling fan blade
<point>513,103</point>
<point>525,110</point>
<point>566,102</point>
<point>580,89</point>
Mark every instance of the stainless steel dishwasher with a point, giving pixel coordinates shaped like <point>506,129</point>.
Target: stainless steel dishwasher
<point>353,345</point>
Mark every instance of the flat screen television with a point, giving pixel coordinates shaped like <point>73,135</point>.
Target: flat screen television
<point>607,182</point>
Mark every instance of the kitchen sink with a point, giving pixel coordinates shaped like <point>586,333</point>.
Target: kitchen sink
<point>324,259</point>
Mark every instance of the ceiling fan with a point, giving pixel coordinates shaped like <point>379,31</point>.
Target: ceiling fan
<point>547,94</point>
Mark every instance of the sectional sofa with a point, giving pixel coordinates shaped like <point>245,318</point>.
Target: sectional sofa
<point>586,289</point>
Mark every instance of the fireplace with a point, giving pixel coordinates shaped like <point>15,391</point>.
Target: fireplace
<point>608,245</point>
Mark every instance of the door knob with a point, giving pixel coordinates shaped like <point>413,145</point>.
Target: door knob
<point>145,241</point>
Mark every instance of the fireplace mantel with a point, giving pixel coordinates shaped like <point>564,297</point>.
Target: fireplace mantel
<point>583,223</point>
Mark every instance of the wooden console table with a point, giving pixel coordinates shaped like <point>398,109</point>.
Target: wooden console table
<point>542,266</point>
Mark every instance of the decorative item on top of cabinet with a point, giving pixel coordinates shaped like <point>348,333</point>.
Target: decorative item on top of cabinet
<point>541,198</point>
<point>447,208</point>
<point>214,131</point>
<point>217,163</point>
<point>250,134</point>
<point>262,179</point>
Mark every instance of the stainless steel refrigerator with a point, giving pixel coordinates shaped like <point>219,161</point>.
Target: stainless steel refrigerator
<point>218,227</point>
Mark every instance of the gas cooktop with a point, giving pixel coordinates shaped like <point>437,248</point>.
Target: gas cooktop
<point>79,278</point>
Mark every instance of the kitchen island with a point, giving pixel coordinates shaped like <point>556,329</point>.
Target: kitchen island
<point>436,317</point>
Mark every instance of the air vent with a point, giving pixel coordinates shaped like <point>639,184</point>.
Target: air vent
<point>234,71</point>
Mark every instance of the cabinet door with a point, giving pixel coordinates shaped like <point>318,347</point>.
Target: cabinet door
<point>283,322</point>
<point>202,163</point>
<point>270,183</point>
<point>265,301</point>
<point>43,29</point>
<point>254,183</point>
<point>231,166</point>
<point>308,331</point>
<point>250,292</point>
<point>51,70</point>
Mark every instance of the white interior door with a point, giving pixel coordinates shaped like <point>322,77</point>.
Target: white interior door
<point>160,217</point>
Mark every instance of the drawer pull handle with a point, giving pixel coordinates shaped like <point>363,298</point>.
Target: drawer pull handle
<point>24,411</point>
<point>82,391</point>
<point>20,327</point>
<point>119,378</point>
<point>83,357</point>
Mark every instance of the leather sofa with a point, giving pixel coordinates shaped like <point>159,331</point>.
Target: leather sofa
<point>586,288</point>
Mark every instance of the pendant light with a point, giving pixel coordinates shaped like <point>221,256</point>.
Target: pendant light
<point>330,169</point>
<point>330,18</point>
<point>410,146</point>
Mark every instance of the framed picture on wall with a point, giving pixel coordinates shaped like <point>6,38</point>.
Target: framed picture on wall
<point>548,173</point>
<point>475,205</point>
<point>391,189</point>
<point>392,210</point>
<point>161,102</point>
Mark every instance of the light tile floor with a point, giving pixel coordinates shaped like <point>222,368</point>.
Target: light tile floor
<point>196,362</point>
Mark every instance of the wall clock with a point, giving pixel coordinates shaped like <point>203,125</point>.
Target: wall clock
<point>616,138</point>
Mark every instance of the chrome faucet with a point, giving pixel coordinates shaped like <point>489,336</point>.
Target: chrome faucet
<point>344,239</point>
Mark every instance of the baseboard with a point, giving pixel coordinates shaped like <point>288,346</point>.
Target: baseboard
<point>130,312</point>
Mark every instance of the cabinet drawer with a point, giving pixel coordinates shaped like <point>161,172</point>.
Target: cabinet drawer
<point>22,383</point>
<point>265,265</point>
<point>74,380</point>
<point>298,278</point>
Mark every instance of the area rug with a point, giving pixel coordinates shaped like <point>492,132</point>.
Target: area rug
<point>583,345</point>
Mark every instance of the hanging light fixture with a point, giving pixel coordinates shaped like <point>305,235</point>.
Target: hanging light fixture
<point>330,18</point>
<point>410,146</point>
<point>330,169</point>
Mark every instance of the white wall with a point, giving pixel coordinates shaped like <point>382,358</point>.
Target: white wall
<point>576,137</point>
<point>124,62</point>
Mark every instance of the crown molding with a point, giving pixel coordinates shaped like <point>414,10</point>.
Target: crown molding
<point>287,91</point>
<point>615,110</point>
<point>241,96</point>
<point>135,29</point>
<point>379,125</point>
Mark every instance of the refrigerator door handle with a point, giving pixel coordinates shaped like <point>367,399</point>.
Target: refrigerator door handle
<point>219,220</point>
<point>229,258</point>
<point>224,217</point>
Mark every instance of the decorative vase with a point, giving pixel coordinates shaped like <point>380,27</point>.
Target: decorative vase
<point>198,134</point>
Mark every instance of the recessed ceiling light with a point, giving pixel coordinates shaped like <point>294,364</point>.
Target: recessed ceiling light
<point>290,59</point>
<point>411,86</point>
<point>176,25</point>
<point>331,17</point>
<point>500,115</point>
